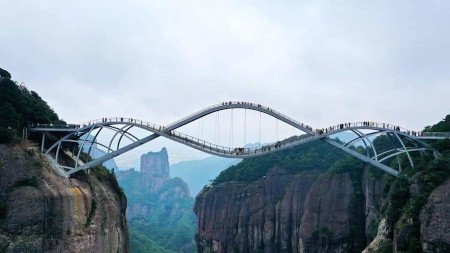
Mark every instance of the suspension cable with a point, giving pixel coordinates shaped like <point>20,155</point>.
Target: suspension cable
<point>198,130</point>
<point>260,129</point>
<point>231,129</point>
<point>218,128</point>
<point>215,127</point>
<point>277,130</point>
<point>245,127</point>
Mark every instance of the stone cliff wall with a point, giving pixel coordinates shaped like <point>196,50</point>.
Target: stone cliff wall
<point>435,220</point>
<point>154,170</point>
<point>41,211</point>
<point>285,212</point>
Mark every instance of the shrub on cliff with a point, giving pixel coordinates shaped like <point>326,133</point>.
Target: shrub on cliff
<point>3,209</point>
<point>9,121</point>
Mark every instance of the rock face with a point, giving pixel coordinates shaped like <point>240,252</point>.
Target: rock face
<point>381,242</point>
<point>435,220</point>
<point>285,212</point>
<point>41,211</point>
<point>152,182</point>
<point>159,207</point>
<point>154,170</point>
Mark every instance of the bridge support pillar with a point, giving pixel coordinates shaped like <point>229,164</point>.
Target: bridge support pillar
<point>25,133</point>
<point>42,143</point>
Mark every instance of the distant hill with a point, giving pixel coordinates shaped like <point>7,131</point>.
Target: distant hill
<point>198,173</point>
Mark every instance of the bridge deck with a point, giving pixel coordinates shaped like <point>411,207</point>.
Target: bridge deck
<point>75,132</point>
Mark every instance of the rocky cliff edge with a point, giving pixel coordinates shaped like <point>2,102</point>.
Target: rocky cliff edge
<point>41,211</point>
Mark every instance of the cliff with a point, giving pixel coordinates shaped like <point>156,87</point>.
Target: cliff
<point>154,170</point>
<point>159,208</point>
<point>41,211</point>
<point>288,212</point>
<point>435,220</point>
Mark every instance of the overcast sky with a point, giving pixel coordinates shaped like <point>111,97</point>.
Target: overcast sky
<point>320,62</point>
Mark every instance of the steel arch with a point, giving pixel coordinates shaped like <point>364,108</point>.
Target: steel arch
<point>121,127</point>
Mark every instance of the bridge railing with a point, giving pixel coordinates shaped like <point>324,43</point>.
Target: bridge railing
<point>192,114</point>
<point>201,143</point>
<point>435,134</point>
<point>237,150</point>
<point>121,120</point>
<point>369,124</point>
<point>239,103</point>
<point>65,126</point>
<point>241,150</point>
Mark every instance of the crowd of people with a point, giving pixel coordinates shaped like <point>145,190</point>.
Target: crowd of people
<point>51,125</point>
<point>364,123</point>
<point>238,151</point>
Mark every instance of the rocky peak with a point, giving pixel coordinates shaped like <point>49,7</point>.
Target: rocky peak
<point>159,207</point>
<point>155,170</point>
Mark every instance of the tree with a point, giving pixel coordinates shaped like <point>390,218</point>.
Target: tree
<point>8,116</point>
<point>5,74</point>
<point>9,120</point>
<point>20,107</point>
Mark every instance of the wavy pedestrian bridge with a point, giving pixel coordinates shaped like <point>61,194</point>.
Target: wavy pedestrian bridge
<point>76,141</point>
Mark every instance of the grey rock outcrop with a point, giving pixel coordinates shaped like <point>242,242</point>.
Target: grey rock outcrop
<point>45,212</point>
<point>152,182</point>
<point>435,220</point>
<point>154,170</point>
<point>285,212</point>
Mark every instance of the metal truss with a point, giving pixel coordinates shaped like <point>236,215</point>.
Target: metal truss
<point>79,143</point>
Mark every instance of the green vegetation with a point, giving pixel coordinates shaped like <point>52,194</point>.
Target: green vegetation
<point>443,146</point>
<point>25,182</point>
<point>403,208</point>
<point>169,235</point>
<point>385,247</point>
<point>4,73</point>
<point>311,156</point>
<point>19,108</point>
<point>322,234</point>
<point>441,126</point>
<point>108,177</point>
<point>38,164</point>
<point>171,225</point>
<point>91,213</point>
<point>141,243</point>
<point>3,209</point>
<point>398,195</point>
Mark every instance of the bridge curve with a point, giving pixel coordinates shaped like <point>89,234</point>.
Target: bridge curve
<point>240,105</point>
<point>76,132</point>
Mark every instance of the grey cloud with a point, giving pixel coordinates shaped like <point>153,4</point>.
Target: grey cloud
<point>321,62</point>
